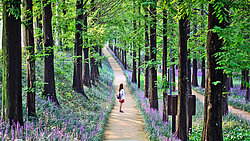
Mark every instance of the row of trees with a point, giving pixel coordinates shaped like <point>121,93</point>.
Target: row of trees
<point>189,36</point>
<point>38,41</point>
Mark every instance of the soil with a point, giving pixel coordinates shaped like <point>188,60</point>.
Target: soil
<point>127,125</point>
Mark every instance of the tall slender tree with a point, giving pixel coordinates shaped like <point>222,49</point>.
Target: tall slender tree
<point>139,55</point>
<point>49,90</point>
<point>146,74</point>
<point>203,62</point>
<point>94,49</point>
<point>225,93</point>
<point>12,63</point>
<point>134,80</point>
<point>194,76</point>
<point>77,75</point>
<point>86,73</point>
<point>182,112</point>
<point>247,87</point>
<point>164,64</point>
<point>189,87</point>
<point>153,96</point>
<point>212,125</point>
<point>38,26</point>
<point>28,37</point>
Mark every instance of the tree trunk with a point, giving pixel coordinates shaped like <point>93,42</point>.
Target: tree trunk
<point>12,63</point>
<point>164,65</point>
<point>182,113</point>
<point>77,76</point>
<point>173,76</point>
<point>49,90</point>
<point>226,90</point>
<point>100,61</point>
<point>203,73</point>
<point>125,60</point>
<point>212,126</point>
<point>146,74</point>
<point>203,62</point>
<point>247,87</point>
<point>94,65</point>
<point>231,82</point>
<point>122,57</point>
<point>28,37</point>
<point>194,78</point>
<point>189,87</point>
<point>134,50</point>
<point>243,79</point>
<point>139,59</point>
<point>153,96</point>
<point>39,38</point>
<point>86,73</point>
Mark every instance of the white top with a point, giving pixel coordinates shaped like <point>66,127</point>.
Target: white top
<point>122,94</point>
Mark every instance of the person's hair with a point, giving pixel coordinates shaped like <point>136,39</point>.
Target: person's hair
<point>120,87</point>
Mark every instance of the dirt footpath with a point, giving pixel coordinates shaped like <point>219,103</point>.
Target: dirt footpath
<point>127,125</point>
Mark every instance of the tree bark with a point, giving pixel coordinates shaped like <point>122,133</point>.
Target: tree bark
<point>226,90</point>
<point>146,74</point>
<point>247,87</point>
<point>164,65</point>
<point>231,82</point>
<point>86,73</point>
<point>100,61</point>
<point>189,87</point>
<point>212,126</point>
<point>203,73</point>
<point>39,38</point>
<point>49,90</point>
<point>94,65</point>
<point>12,63</point>
<point>134,80</point>
<point>173,76</point>
<point>28,37</point>
<point>139,59</point>
<point>182,112</point>
<point>153,49</point>
<point>194,78</point>
<point>77,76</point>
<point>243,79</point>
<point>203,62</point>
<point>125,60</point>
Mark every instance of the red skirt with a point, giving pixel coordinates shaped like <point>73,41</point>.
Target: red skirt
<point>121,101</point>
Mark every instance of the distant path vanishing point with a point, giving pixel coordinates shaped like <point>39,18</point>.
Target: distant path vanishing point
<point>127,125</point>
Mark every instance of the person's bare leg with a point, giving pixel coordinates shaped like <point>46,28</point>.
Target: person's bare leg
<point>121,107</point>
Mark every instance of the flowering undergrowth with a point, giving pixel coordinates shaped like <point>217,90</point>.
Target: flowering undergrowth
<point>154,126</point>
<point>77,119</point>
<point>236,98</point>
<point>234,127</point>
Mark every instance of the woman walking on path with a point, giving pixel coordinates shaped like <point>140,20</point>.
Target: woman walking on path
<point>121,96</point>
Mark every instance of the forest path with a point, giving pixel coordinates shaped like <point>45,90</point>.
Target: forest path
<point>127,125</point>
<point>231,109</point>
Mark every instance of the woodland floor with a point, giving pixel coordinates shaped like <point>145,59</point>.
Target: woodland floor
<point>231,109</point>
<point>127,125</point>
